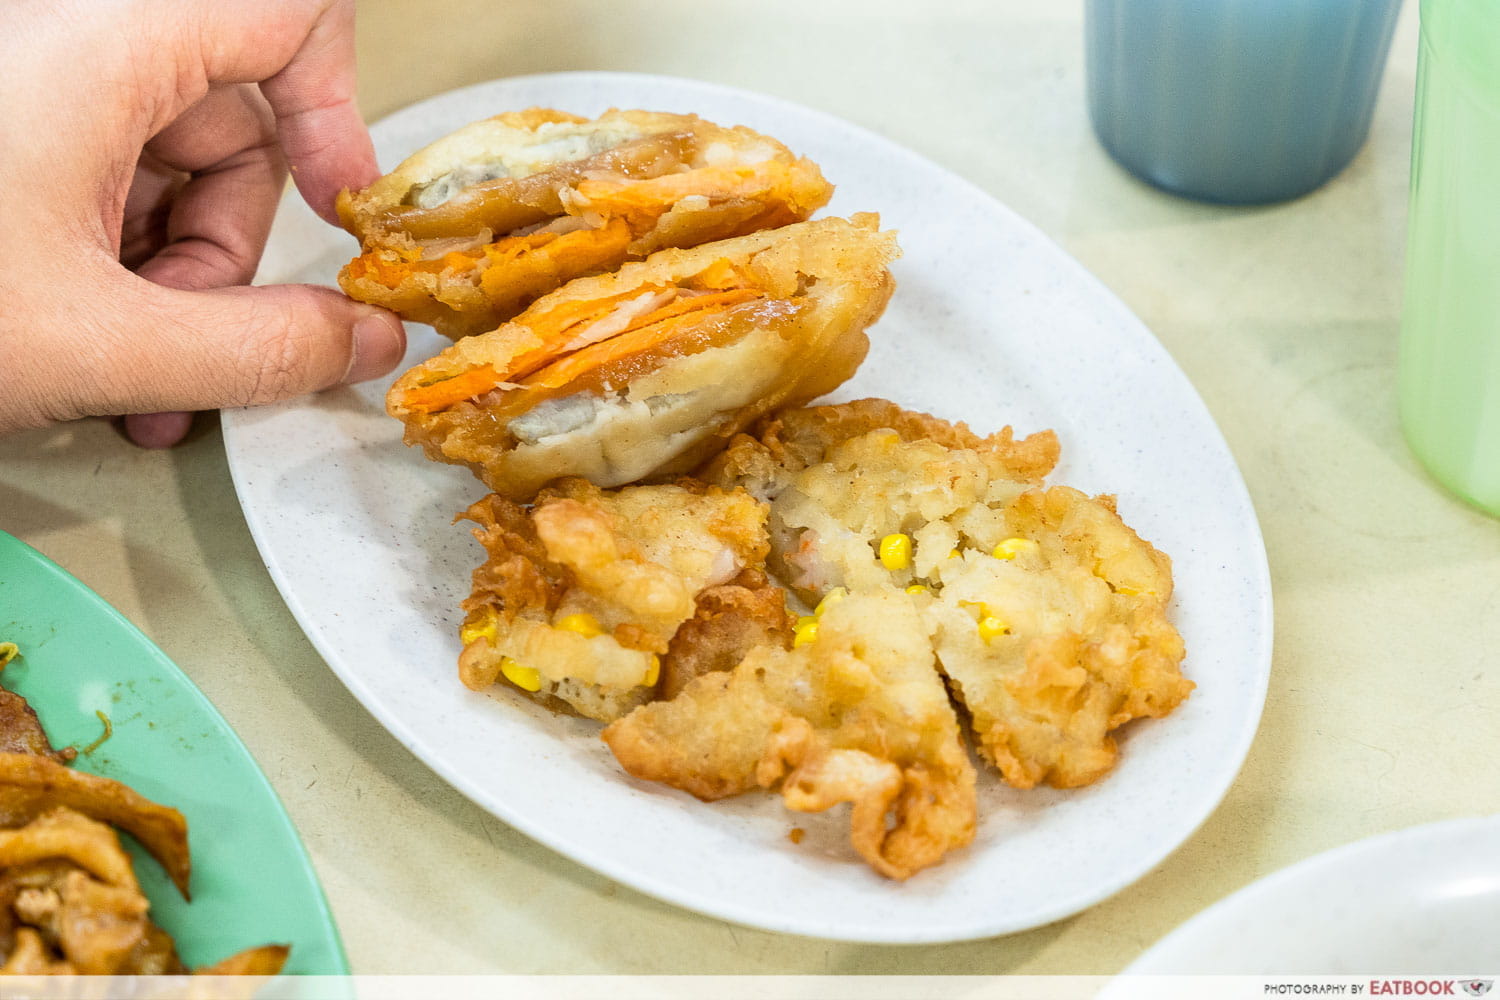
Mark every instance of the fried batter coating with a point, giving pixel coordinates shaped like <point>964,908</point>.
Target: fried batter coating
<point>1046,612</point>
<point>650,370</point>
<point>1086,645</point>
<point>860,716</point>
<point>33,784</point>
<point>729,622</point>
<point>70,903</point>
<point>580,596</point>
<point>791,440</point>
<point>470,230</point>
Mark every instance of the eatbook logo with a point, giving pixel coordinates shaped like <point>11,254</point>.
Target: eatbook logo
<point>1478,987</point>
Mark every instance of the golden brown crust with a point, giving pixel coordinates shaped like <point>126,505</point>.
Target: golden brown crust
<point>585,590</point>
<point>1044,706</point>
<point>794,439</point>
<point>728,622</point>
<point>1050,645</point>
<point>843,719</point>
<point>806,294</point>
<point>531,201</point>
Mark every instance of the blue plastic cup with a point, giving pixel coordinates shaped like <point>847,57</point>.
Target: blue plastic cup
<point>1235,101</point>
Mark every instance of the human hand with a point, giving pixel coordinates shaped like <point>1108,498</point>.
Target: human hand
<point>145,153</point>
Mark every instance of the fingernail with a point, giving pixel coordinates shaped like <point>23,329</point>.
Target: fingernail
<point>379,343</point>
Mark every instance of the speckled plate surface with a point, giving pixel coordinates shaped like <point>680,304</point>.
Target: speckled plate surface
<point>1423,901</point>
<point>991,323</point>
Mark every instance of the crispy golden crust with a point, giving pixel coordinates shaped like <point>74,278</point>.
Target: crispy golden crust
<point>791,440</point>
<point>1089,648</point>
<point>584,591</point>
<point>549,394</point>
<point>70,903</point>
<point>728,622</point>
<point>470,230</point>
<point>843,719</point>
<point>1050,647</point>
<point>31,785</point>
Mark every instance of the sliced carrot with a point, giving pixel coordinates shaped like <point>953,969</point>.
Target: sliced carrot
<point>645,201</point>
<point>722,274</point>
<point>649,331</point>
<point>449,392</point>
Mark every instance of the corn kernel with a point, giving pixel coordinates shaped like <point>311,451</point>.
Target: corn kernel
<point>829,600</point>
<point>990,627</point>
<point>895,551</point>
<point>581,622</point>
<point>916,588</point>
<point>805,631</point>
<point>653,672</point>
<point>525,678</point>
<point>1134,592</point>
<point>484,628</point>
<point>1012,547</point>
<point>954,553</point>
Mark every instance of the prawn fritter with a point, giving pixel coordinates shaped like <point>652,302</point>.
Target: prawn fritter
<point>470,230</point>
<point>581,594</point>
<point>859,716</point>
<point>650,370</point>
<point>1046,612</point>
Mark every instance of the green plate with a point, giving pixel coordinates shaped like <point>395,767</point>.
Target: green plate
<point>252,881</point>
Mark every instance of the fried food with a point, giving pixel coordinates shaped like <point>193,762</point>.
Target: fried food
<point>70,902</point>
<point>730,621</point>
<point>470,230</point>
<point>859,716</point>
<point>580,595</point>
<point>1046,613</point>
<point>651,370</point>
<point>21,731</point>
<point>31,785</point>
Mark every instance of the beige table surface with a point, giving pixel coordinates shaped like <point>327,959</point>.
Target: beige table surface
<point>1384,705</point>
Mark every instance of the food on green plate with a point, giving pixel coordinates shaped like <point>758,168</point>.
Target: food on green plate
<point>70,903</point>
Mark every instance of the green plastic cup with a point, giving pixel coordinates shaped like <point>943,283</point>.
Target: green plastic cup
<point>1450,330</point>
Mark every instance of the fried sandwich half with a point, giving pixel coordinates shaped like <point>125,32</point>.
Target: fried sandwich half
<point>650,370</point>
<point>468,231</point>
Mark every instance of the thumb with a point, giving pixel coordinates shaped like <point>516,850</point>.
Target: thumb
<point>172,349</point>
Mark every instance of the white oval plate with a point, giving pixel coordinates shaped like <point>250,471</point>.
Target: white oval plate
<point>1423,901</point>
<point>991,323</point>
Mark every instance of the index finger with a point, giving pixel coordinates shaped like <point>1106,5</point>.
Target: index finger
<point>301,52</point>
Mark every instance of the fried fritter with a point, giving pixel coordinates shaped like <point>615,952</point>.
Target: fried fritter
<point>581,594</point>
<point>1060,641</point>
<point>70,902</point>
<point>859,716</point>
<point>471,229</point>
<point>1047,614</point>
<point>33,784</point>
<point>650,370</point>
